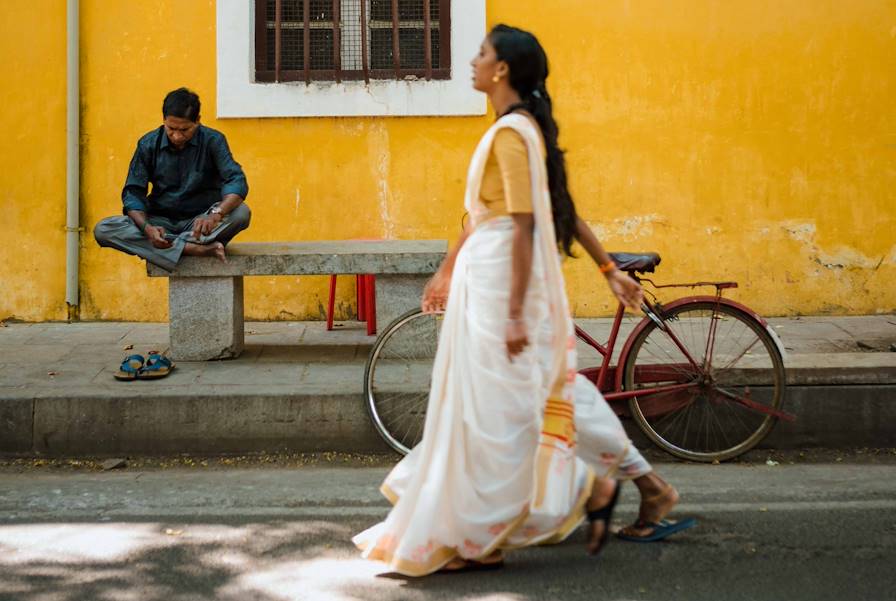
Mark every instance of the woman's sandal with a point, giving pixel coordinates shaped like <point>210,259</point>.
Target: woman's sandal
<point>658,530</point>
<point>130,367</point>
<point>605,515</point>
<point>659,527</point>
<point>157,366</point>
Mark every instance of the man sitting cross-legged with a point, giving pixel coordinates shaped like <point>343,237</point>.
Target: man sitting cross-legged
<point>196,203</point>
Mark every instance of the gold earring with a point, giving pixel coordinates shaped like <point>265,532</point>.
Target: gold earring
<point>496,78</point>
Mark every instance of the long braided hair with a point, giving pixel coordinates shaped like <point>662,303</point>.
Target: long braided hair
<point>528,65</point>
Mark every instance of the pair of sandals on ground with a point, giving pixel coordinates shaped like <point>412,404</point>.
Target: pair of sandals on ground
<point>136,367</point>
<point>644,530</point>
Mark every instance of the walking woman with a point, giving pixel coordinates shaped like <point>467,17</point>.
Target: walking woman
<point>497,467</point>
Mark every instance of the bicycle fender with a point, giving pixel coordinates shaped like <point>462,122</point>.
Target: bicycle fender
<point>771,332</point>
<point>690,300</point>
<point>768,328</point>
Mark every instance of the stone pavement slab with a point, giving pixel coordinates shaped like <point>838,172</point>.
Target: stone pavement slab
<point>298,387</point>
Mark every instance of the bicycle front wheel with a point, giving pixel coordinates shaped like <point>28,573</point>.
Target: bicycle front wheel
<point>398,376</point>
<point>712,378</point>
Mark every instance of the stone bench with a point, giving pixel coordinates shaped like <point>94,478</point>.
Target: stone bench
<point>205,296</point>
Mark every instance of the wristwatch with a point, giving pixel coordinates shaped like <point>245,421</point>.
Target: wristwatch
<point>216,210</point>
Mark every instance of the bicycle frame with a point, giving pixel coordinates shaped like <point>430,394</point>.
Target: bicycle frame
<point>608,379</point>
<point>605,372</point>
<point>651,312</point>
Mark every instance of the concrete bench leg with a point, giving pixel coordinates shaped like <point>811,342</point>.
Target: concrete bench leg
<point>205,317</point>
<point>397,294</point>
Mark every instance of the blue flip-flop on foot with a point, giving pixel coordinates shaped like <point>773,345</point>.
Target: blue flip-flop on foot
<point>661,529</point>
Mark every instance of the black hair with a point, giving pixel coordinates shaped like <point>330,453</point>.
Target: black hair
<point>182,103</point>
<point>528,65</point>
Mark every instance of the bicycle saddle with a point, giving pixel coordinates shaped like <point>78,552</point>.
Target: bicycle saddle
<point>643,262</point>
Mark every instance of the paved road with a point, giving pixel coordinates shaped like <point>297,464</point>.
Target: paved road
<point>787,532</point>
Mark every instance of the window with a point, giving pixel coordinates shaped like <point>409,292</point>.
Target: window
<point>335,40</point>
<point>405,75</point>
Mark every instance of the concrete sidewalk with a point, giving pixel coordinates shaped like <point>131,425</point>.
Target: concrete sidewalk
<point>298,387</point>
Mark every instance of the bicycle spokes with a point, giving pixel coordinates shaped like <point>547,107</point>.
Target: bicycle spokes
<point>712,381</point>
<point>398,376</point>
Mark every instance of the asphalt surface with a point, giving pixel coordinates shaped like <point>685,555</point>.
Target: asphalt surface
<point>813,531</point>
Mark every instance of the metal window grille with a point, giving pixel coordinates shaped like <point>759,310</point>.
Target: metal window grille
<point>336,40</point>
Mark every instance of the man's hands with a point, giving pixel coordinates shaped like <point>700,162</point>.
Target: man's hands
<point>205,224</point>
<point>156,236</point>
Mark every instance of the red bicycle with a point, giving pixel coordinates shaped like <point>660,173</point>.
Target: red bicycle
<point>702,376</point>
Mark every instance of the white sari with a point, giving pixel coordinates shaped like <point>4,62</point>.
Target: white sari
<point>497,466</point>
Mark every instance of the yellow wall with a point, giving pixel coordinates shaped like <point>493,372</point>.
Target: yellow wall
<point>32,160</point>
<point>751,140</point>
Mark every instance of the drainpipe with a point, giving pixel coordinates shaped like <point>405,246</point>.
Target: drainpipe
<point>72,160</point>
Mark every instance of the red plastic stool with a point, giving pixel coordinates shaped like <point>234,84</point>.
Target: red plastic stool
<point>365,286</point>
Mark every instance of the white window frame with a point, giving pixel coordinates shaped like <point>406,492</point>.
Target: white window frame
<point>239,96</point>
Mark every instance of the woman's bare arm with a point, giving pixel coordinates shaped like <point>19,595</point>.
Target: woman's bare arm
<point>520,270</point>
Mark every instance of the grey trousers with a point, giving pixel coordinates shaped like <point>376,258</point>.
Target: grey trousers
<point>122,234</point>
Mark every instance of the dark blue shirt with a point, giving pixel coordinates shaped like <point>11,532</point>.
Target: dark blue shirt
<point>186,182</point>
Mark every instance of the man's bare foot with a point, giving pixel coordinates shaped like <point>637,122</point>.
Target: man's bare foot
<point>602,495</point>
<point>215,249</point>
<point>219,252</point>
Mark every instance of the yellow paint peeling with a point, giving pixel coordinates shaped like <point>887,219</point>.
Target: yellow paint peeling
<point>801,232</point>
<point>627,229</point>
<point>841,256</point>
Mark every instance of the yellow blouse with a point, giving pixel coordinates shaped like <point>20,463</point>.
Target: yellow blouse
<point>506,186</point>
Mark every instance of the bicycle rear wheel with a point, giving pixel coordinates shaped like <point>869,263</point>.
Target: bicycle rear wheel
<point>730,378</point>
<point>398,376</point>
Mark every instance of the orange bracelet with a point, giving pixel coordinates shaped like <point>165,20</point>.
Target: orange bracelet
<point>607,268</point>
